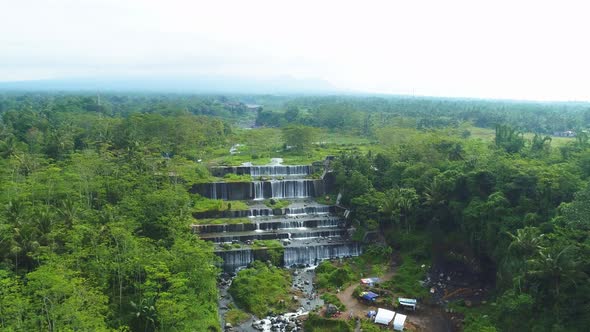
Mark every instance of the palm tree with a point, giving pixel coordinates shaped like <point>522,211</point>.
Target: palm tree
<point>555,265</point>
<point>525,244</point>
<point>390,207</point>
<point>145,312</point>
<point>526,241</point>
<point>8,146</point>
<point>456,152</point>
<point>434,194</point>
<point>400,202</point>
<point>69,212</point>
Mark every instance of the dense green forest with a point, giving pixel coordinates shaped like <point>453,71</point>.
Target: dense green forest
<point>95,208</point>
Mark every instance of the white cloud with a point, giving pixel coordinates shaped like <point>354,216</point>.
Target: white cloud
<point>507,49</point>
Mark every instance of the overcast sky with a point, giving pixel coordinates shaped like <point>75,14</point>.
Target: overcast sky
<point>500,49</point>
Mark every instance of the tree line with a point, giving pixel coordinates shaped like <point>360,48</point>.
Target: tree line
<point>364,115</point>
<point>95,215</point>
<point>515,212</point>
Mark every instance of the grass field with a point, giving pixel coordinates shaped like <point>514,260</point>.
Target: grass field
<point>258,146</point>
<point>487,134</point>
<point>270,145</point>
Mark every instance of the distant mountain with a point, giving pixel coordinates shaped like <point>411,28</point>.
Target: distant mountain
<point>201,84</point>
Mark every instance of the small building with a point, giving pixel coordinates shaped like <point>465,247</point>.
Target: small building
<point>254,107</point>
<point>407,303</point>
<point>399,322</point>
<point>567,133</point>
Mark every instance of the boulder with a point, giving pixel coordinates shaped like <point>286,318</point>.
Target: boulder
<point>330,309</point>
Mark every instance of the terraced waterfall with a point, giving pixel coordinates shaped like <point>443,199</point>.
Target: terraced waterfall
<point>309,232</point>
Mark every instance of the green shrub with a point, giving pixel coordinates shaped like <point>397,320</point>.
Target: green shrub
<point>357,291</point>
<point>274,250</point>
<point>236,316</point>
<point>330,277</point>
<point>406,280</point>
<point>374,254</point>
<point>416,245</point>
<point>231,177</point>
<point>315,323</point>
<point>369,326</point>
<point>261,289</point>
<point>266,244</point>
<point>333,299</point>
<point>203,204</point>
<point>325,267</point>
<point>278,204</point>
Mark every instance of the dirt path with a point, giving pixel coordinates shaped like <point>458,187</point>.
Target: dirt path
<point>352,304</point>
<point>427,318</point>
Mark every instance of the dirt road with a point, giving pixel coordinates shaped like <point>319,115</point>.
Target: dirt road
<point>427,318</point>
<point>358,308</point>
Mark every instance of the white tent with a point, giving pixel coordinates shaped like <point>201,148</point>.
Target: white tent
<point>399,321</point>
<point>384,316</point>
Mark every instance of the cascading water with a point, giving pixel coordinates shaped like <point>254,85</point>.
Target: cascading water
<point>233,259</point>
<point>300,170</point>
<point>307,210</point>
<point>258,190</point>
<point>265,170</point>
<point>291,189</point>
<point>308,233</point>
<point>262,212</point>
<point>313,254</point>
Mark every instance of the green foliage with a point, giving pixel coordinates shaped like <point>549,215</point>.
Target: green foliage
<point>329,276</point>
<point>368,325</point>
<point>481,318</point>
<point>273,248</point>
<point>315,323</point>
<point>236,316</point>
<point>406,280</point>
<point>478,324</point>
<point>299,138</point>
<point>267,244</point>
<point>328,199</point>
<point>203,204</point>
<point>377,254</point>
<point>231,177</point>
<point>333,299</point>
<point>61,299</point>
<point>99,232</point>
<point>356,293</point>
<point>94,205</point>
<point>278,204</point>
<point>261,289</point>
<point>509,139</point>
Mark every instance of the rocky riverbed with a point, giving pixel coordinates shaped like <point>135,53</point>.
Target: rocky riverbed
<point>284,322</point>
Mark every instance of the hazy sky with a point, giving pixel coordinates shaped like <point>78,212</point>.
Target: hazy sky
<point>502,49</point>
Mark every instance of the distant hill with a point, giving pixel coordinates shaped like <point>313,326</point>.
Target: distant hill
<point>209,84</point>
